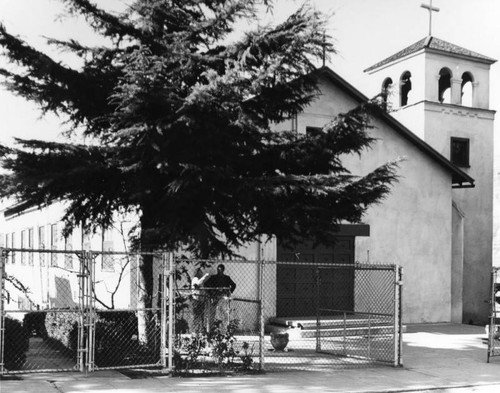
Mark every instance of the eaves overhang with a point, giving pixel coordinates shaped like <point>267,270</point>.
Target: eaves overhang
<point>459,178</point>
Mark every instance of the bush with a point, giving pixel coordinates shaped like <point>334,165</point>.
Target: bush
<point>117,340</point>
<point>34,323</point>
<point>62,329</point>
<point>16,342</point>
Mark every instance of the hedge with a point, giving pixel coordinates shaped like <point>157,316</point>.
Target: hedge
<point>34,323</point>
<point>16,344</point>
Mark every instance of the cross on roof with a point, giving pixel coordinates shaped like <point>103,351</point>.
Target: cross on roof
<point>431,9</point>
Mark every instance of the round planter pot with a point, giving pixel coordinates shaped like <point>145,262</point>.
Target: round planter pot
<point>279,341</point>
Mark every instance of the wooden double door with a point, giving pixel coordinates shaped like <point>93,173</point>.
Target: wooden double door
<point>297,288</point>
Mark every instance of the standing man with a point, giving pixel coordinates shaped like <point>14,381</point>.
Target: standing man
<point>220,286</point>
<point>198,301</point>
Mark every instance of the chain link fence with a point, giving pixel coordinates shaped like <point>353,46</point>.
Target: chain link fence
<point>85,310</point>
<point>493,328</point>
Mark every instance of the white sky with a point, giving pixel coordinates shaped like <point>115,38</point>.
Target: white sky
<point>365,31</point>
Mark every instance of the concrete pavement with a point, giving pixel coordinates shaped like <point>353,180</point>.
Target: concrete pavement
<point>437,358</point>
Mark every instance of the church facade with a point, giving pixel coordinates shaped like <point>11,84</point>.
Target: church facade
<point>441,92</point>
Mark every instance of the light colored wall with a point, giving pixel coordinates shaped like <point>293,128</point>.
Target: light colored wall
<point>442,123</point>
<point>436,123</point>
<point>412,226</point>
<point>58,286</point>
<point>457,278</point>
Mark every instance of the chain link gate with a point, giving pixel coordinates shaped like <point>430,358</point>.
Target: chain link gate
<point>56,316</point>
<point>30,340</point>
<point>369,329</point>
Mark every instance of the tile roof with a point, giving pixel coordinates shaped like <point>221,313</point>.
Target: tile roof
<point>436,44</point>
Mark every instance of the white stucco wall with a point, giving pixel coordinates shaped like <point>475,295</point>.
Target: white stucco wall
<point>412,227</point>
<point>436,123</point>
<point>442,122</point>
<point>476,203</point>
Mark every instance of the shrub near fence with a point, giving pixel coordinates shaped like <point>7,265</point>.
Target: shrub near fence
<point>34,323</point>
<point>16,344</point>
<point>62,330</point>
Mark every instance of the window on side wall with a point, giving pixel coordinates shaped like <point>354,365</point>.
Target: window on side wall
<point>53,244</point>
<point>13,245</point>
<point>24,246</point>
<point>107,246</point>
<point>41,244</point>
<point>30,246</point>
<point>313,131</point>
<point>459,152</point>
<point>8,244</point>
<point>68,255</point>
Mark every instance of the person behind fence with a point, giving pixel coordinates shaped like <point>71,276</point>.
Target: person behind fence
<point>198,300</point>
<point>220,287</point>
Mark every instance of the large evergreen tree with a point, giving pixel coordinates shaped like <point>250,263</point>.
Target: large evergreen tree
<point>180,111</point>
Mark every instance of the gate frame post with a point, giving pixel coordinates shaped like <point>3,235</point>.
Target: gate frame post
<point>318,312</point>
<point>2,309</point>
<point>492,316</point>
<point>171,314</point>
<point>81,328</point>
<point>398,320</point>
<point>90,312</point>
<point>164,341</point>
<point>261,313</point>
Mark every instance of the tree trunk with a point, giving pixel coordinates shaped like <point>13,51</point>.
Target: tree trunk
<point>146,268</point>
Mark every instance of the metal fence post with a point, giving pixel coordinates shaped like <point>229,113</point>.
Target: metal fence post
<point>398,323</point>
<point>163,311</point>
<point>171,315</point>
<point>2,316</point>
<point>318,319</point>
<point>81,327</point>
<point>261,316</point>
<point>492,327</point>
<point>90,312</point>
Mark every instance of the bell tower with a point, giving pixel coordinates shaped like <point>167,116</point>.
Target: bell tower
<point>440,91</point>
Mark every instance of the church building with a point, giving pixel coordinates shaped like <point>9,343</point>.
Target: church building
<point>437,222</point>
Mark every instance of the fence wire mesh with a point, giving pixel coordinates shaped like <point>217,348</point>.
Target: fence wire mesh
<point>217,319</point>
<point>493,327</point>
<point>88,310</point>
<point>329,316</point>
<point>59,317</point>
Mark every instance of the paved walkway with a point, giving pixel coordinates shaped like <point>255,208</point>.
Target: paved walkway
<point>437,358</point>
<point>41,355</point>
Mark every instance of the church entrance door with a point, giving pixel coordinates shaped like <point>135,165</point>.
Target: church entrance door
<point>296,283</point>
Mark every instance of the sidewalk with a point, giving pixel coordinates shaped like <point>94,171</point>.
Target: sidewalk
<point>437,358</point>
